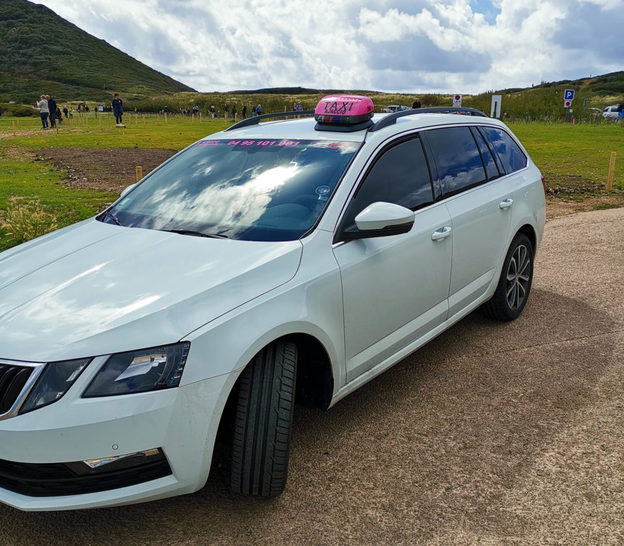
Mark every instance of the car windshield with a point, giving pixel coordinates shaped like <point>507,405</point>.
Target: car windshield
<point>252,189</point>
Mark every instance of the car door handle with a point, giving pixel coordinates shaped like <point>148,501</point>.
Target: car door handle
<point>441,233</point>
<point>505,204</point>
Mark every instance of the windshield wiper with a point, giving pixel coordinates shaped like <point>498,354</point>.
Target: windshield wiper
<point>110,215</point>
<point>196,233</point>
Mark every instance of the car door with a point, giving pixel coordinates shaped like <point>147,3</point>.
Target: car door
<point>478,202</point>
<point>395,287</point>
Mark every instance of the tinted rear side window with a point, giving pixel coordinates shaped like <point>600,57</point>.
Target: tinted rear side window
<point>457,158</point>
<point>509,153</point>
<point>488,160</point>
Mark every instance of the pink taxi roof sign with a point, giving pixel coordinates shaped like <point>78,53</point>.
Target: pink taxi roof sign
<point>353,111</point>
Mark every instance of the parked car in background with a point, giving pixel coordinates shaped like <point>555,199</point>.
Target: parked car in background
<point>395,108</point>
<point>594,113</point>
<point>610,112</point>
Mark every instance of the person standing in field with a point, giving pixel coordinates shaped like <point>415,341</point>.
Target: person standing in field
<point>117,104</point>
<point>244,111</point>
<point>43,111</point>
<point>51,110</point>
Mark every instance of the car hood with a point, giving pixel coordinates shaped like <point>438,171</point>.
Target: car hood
<point>95,288</point>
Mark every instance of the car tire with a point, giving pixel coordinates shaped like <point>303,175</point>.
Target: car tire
<point>263,422</point>
<point>514,283</point>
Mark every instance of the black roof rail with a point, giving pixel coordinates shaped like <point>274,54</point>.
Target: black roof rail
<point>390,119</point>
<point>255,120</point>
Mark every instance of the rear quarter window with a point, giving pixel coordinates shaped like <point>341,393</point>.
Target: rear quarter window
<point>510,156</point>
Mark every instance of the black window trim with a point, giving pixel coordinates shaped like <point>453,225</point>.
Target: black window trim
<point>383,147</point>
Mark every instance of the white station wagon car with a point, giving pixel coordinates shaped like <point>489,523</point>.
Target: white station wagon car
<point>611,112</point>
<point>269,264</point>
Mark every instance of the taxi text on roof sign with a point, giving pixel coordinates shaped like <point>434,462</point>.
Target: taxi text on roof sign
<point>344,109</point>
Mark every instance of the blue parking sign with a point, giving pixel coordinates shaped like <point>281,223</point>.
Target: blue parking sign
<point>568,94</point>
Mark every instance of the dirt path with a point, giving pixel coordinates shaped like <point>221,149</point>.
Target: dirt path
<point>109,169</point>
<point>492,433</point>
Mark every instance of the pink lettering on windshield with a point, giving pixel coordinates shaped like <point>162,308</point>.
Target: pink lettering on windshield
<point>259,143</point>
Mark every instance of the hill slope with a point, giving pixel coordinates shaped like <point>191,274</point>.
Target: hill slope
<point>604,85</point>
<point>44,53</point>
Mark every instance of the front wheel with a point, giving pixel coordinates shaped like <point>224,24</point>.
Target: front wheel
<point>515,281</point>
<point>263,421</point>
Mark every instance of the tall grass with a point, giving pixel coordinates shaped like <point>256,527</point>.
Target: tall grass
<point>26,219</point>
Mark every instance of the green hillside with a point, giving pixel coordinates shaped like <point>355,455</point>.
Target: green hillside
<point>545,101</point>
<point>611,84</point>
<point>44,53</point>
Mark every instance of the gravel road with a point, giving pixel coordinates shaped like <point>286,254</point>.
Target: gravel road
<point>490,434</point>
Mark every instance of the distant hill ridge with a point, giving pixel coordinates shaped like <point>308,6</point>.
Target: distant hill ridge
<point>605,84</point>
<point>44,53</point>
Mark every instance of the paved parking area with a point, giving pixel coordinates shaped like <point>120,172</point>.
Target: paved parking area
<point>492,433</point>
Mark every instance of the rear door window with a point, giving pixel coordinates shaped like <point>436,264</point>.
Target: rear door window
<point>510,155</point>
<point>457,158</point>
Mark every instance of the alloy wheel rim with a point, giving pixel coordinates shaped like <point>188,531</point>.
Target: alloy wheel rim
<point>518,277</point>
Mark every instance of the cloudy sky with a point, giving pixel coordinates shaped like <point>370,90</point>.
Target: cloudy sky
<point>466,46</point>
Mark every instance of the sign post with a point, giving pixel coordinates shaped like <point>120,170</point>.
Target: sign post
<point>568,97</point>
<point>457,101</point>
<point>495,108</point>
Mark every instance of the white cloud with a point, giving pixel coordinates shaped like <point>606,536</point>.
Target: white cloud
<point>392,45</point>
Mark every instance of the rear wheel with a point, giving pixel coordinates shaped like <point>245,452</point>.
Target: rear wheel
<point>515,281</point>
<point>263,421</point>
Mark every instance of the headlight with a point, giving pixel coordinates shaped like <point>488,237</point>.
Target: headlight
<point>140,371</point>
<point>53,383</point>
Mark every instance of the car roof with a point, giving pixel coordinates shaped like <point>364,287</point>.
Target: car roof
<point>304,128</point>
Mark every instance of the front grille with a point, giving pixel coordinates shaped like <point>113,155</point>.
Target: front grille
<point>56,479</point>
<point>12,381</point>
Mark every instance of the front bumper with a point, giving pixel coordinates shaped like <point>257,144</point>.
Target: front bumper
<point>182,422</point>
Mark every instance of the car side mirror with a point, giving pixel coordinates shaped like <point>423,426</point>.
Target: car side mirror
<point>381,220</point>
<point>126,190</point>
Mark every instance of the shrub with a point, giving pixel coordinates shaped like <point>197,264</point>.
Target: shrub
<point>18,110</point>
<point>26,219</point>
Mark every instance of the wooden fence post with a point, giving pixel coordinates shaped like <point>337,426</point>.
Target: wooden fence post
<point>611,172</point>
<point>139,172</point>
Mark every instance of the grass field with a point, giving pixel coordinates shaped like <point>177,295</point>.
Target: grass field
<point>573,158</point>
